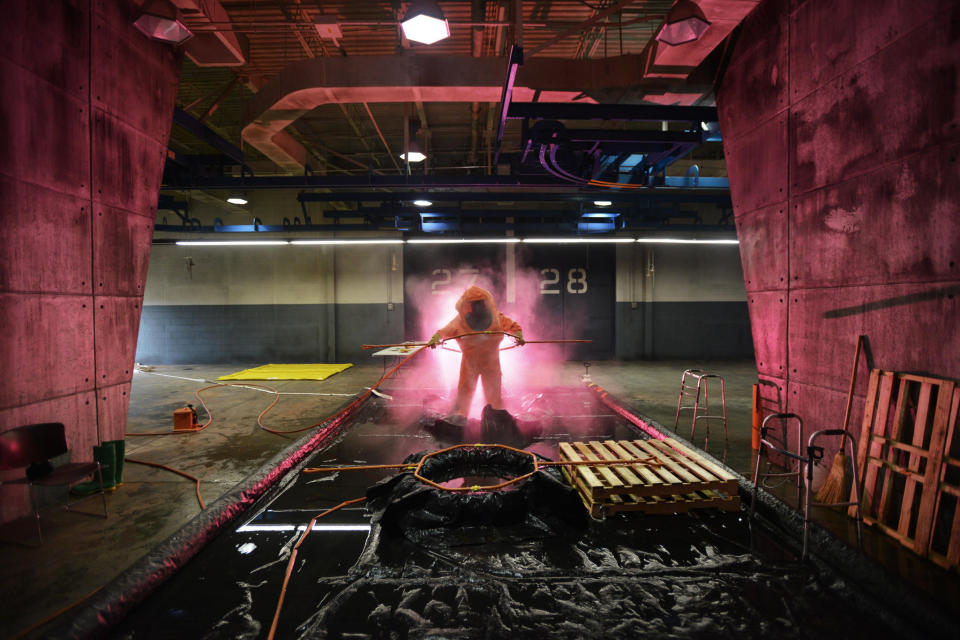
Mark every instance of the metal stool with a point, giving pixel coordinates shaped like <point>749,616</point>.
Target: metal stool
<point>698,391</point>
<point>804,470</point>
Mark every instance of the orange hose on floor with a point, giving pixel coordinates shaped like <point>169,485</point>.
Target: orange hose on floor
<point>355,403</point>
<point>177,471</point>
<point>209,413</point>
<point>293,559</point>
<point>350,407</point>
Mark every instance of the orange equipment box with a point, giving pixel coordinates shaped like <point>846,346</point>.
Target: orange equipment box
<point>185,419</point>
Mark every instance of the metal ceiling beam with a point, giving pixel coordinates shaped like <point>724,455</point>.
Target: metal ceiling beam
<point>208,135</point>
<point>212,109</point>
<point>382,138</point>
<point>307,84</point>
<point>643,198</point>
<point>580,27</point>
<point>306,129</point>
<point>638,112</point>
<point>207,95</point>
<point>308,50</point>
<point>516,59</point>
<point>398,182</point>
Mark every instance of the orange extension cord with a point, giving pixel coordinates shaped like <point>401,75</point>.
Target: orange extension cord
<point>537,465</point>
<point>293,559</point>
<point>355,403</point>
<point>178,472</point>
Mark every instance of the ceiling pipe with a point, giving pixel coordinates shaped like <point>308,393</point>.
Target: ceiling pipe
<point>589,22</point>
<point>477,13</point>
<point>307,84</point>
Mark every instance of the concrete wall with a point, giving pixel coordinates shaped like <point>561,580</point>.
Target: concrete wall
<point>307,303</point>
<point>85,110</point>
<point>681,301</point>
<point>320,303</point>
<point>841,124</point>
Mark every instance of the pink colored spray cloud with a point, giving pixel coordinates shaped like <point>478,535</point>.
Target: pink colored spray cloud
<point>526,369</point>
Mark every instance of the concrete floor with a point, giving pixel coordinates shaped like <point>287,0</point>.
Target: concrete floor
<point>80,554</point>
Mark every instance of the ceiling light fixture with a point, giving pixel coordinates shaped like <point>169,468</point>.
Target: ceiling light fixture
<point>416,153</point>
<point>160,20</point>
<point>685,23</point>
<point>602,203</point>
<point>237,198</point>
<point>424,22</point>
<point>233,243</point>
<point>423,203</point>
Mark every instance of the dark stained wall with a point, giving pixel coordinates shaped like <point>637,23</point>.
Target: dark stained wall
<point>841,124</point>
<point>85,110</point>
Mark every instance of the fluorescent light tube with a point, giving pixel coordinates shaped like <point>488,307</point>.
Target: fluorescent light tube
<point>290,527</point>
<point>348,241</point>
<point>685,241</point>
<point>463,240</point>
<point>234,243</point>
<point>576,240</point>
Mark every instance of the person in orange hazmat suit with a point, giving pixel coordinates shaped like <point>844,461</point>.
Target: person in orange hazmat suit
<point>477,311</point>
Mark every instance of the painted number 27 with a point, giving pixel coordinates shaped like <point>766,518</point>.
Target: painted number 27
<point>576,281</point>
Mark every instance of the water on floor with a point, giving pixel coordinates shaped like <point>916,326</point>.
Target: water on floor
<point>696,575</point>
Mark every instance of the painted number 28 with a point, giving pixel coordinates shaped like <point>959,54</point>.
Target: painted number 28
<point>576,281</point>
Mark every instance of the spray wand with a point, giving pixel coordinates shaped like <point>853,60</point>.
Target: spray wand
<point>474,333</point>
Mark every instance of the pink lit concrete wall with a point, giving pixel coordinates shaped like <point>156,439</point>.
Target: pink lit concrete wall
<point>85,110</point>
<point>841,125</point>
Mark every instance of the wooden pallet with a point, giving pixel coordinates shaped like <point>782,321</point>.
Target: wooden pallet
<point>906,451</point>
<point>672,477</point>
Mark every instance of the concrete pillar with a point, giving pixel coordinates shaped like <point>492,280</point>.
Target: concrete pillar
<point>85,110</point>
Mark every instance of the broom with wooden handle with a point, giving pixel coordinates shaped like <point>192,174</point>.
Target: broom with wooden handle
<point>834,488</point>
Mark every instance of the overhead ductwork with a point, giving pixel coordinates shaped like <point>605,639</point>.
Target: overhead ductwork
<point>307,84</point>
<point>212,44</point>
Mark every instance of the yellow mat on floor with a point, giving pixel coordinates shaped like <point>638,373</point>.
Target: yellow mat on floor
<point>288,372</point>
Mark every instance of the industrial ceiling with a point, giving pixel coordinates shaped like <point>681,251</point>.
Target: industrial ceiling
<point>575,100</point>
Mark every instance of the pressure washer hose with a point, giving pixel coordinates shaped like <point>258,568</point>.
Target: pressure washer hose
<point>293,559</point>
<point>186,475</point>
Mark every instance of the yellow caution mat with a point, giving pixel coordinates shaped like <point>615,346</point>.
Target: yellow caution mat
<point>288,372</point>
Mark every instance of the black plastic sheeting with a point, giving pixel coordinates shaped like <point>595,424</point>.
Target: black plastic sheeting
<point>542,505</point>
<point>685,576</point>
<point>875,588</point>
<point>692,575</point>
<point>108,606</point>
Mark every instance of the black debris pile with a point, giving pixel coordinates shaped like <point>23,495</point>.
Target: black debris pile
<point>540,506</point>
